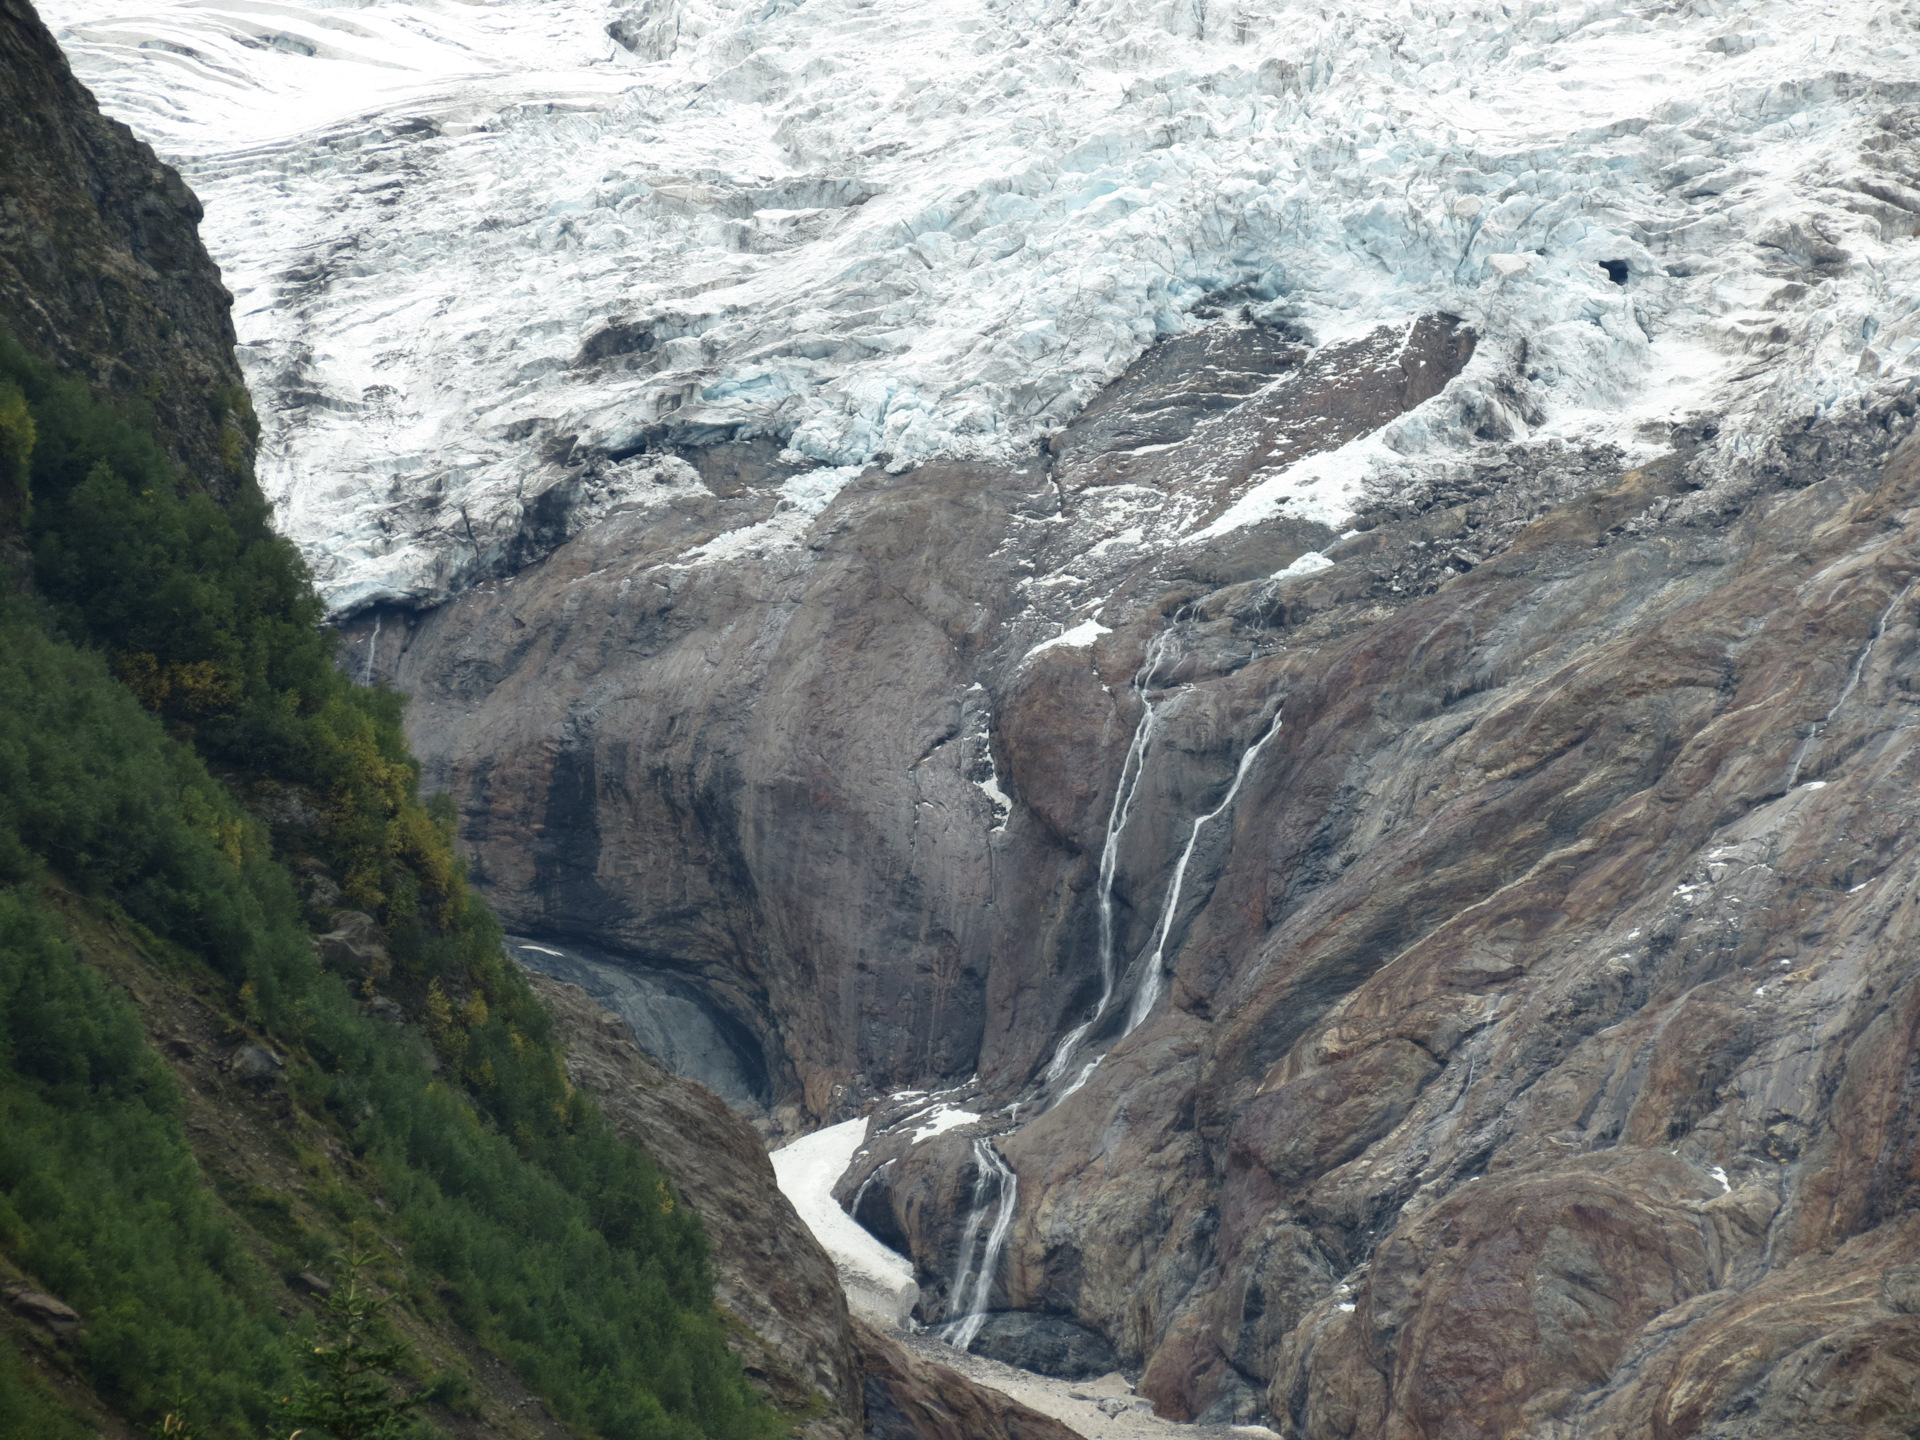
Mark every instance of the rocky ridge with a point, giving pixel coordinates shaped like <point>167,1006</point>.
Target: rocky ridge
<point>1528,1013</point>
<point>794,1333</point>
<point>101,266</point>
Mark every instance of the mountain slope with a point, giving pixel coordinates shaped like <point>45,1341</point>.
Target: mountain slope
<point>1353,833</point>
<point>408,1118</point>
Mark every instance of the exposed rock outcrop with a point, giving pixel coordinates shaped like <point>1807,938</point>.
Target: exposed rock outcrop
<point>1045,1344</point>
<point>911,1398</point>
<point>101,267</point>
<point>794,1334</point>
<point>1534,1051</point>
<point>36,1307</point>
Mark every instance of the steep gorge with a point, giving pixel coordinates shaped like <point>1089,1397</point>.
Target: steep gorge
<point>1534,1038</point>
<point>270,1089</point>
<point>1382,906</point>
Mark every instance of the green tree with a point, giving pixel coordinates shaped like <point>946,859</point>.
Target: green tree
<point>350,1395</point>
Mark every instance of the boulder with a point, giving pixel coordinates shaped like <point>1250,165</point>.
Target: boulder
<point>255,1065</point>
<point>356,947</point>
<point>37,1307</point>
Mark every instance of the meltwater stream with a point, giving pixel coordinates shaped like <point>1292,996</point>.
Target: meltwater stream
<point>1132,768</point>
<point>995,1185</point>
<point>1853,680</point>
<point>1126,790</point>
<point>1153,976</point>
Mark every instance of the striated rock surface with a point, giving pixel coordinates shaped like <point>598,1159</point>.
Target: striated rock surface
<point>1450,978</point>
<point>1429,961</point>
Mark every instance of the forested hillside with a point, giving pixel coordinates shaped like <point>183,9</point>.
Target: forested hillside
<point>249,1181</point>
<point>168,688</point>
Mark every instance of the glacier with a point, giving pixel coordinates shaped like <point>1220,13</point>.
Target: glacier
<point>472,243</point>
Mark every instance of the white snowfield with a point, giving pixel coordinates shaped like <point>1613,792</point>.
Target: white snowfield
<point>903,229</point>
<point>878,1281</point>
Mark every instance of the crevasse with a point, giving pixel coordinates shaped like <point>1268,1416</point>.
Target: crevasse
<point>467,239</point>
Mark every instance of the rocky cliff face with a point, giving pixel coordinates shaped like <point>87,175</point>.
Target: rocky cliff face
<point>769,1273</point>
<point>101,266</point>
<point>793,1331</point>
<point>1421,957</point>
<point>1445,979</point>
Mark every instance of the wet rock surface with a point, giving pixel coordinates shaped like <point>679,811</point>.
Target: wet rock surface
<point>1536,1023</point>
<point>1044,1344</point>
<point>666,1017</point>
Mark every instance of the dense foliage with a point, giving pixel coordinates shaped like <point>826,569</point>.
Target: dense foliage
<point>209,618</point>
<point>100,1198</point>
<point>176,633</point>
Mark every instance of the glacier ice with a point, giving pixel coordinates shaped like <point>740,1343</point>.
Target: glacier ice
<point>472,242</point>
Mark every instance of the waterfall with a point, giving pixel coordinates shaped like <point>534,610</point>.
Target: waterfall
<point>373,653</point>
<point>995,1174</point>
<point>1152,979</point>
<point>861,1193</point>
<point>1853,679</point>
<point>1132,768</point>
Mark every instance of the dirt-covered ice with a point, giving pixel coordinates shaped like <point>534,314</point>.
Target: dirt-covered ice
<point>879,1282</point>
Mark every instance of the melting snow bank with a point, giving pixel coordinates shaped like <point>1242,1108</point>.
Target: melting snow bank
<point>878,1281</point>
<point>474,243</point>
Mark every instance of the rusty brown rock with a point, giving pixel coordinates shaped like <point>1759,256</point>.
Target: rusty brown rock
<point>1547,996</point>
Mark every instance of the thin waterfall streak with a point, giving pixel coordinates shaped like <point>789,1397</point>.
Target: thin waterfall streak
<point>1132,769</point>
<point>966,1329</point>
<point>1853,680</point>
<point>976,1217</point>
<point>373,653</point>
<point>1086,1074</point>
<point>1061,1056</point>
<point>1126,788</point>
<point>1148,995</point>
<point>861,1193</point>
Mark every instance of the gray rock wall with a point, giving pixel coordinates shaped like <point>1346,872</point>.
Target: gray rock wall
<point>101,267</point>
<point>1535,1051</point>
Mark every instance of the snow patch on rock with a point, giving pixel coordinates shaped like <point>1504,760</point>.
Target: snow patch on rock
<point>1077,638</point>
<point>878,1281</point>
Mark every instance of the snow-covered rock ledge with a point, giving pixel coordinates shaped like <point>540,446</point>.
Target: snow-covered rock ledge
<point>878,1281</point>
